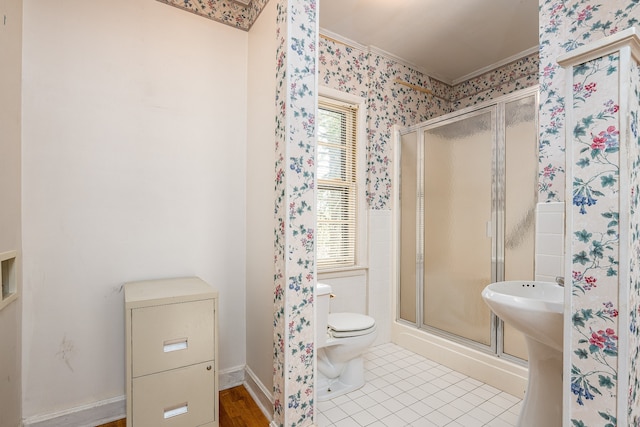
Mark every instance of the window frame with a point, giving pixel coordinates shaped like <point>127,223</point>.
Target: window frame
<point>361,231</point>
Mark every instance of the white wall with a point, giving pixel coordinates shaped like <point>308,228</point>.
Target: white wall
<point>10,105</point>
<point>134,140</point>
<point>260,201</point>
<point>381,298</point>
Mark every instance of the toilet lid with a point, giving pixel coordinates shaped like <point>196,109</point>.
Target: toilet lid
<point>350,324</point>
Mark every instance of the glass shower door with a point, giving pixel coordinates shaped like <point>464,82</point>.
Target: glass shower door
<point>459,224</point>
<point>408,224</point>
<point>520,195</point>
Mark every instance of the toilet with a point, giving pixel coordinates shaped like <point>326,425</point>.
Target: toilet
<point>341,340</point>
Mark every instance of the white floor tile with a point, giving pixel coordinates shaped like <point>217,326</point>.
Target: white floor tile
<point>457,391</point>
<point>434,402</point>
<point>422,408</point>
<point>445,396</point>
<point>404,385</point>
<point>502,402</point>
<point>379,396</point>
<point>451,411</point>
<point>497,422</point>
<point>418,393</point>
<point>403,389</point>
<point>492,408</point>
<point>347,422</point>
<point>408,415</point>
<point>468,421</point>
<point>393,405</point>
<point>392,390</point>
<point>364,418</point>
<point>392,420</point>
<point>406,399</point>
<point>379,412</point>
<point>481,415</point>
<point>365,402</point>
<point>462,405</point>
<point>510,417</point>
<point>438,418</point>
<point>474,399</point>
<point>351,407</point>
<point>322,421</point>
<point>335,414</point>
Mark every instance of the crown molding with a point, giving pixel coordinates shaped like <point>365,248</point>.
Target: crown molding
<point>496,65</point>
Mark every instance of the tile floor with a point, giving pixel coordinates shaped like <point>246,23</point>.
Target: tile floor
<point>405,389</point>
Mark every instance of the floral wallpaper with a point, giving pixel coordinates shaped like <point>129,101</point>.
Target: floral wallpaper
<point>595,249</point>
<point>564,26</point>
<point>226,11</point>
<point>296,101</point>
<point>519,74</point>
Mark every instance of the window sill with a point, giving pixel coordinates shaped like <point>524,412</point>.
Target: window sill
<point>332,273</point>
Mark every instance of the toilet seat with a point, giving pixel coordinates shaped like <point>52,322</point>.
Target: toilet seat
<point>345,325</point>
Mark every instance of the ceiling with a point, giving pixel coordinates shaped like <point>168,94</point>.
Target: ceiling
<point>450,40</point>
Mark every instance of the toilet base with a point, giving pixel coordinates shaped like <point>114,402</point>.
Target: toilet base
<point>352,378</point>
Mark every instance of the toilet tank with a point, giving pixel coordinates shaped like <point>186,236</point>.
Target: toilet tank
<point>323,294</point>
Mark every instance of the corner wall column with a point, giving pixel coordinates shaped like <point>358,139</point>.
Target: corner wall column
<point>296,103</point>
<point>601,370</point>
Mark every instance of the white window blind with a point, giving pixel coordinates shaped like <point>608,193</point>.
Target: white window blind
<point>336,181</point>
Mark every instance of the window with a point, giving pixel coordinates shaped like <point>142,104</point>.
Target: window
<point>337,185</point>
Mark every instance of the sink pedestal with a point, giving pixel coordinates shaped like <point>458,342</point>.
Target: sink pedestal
<point>542,404</point>
<point>537,310</point>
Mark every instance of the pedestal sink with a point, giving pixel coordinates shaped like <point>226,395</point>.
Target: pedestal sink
<point>535,309</point>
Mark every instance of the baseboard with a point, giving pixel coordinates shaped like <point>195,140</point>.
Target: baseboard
<point>260,394</point>
<point>89,415</point>
<point>105,411</point>
<point>231,377</point>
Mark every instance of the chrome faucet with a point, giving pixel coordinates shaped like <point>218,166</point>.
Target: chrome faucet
<point>560,280</point>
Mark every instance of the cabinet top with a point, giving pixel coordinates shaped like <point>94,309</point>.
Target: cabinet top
<point>166,291</point>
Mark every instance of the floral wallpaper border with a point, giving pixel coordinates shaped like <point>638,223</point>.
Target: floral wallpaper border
<point>225,11</point>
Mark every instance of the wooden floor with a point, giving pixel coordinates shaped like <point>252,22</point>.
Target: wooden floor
<point>237,409</point>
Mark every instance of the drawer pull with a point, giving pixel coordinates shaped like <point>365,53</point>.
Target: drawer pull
<point>174,411</point>
<point>175,345</point>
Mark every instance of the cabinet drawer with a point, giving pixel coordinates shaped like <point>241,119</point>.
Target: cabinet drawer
<point>170,336</point>
<point>177,398</point>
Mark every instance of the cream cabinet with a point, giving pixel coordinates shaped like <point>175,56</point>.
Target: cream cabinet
<point>171,353</point>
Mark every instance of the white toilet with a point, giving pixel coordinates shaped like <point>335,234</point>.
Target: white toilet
<point>341,339</point>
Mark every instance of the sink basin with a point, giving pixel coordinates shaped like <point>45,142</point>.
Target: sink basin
<point>537,310</point>
<point>534,308</point>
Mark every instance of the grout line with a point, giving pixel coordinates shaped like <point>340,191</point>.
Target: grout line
<point>390,394</point>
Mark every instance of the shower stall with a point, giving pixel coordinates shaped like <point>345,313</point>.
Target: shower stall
<point>465,217</point>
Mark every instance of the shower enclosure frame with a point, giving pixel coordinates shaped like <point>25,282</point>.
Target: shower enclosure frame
<point>497,108</point>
